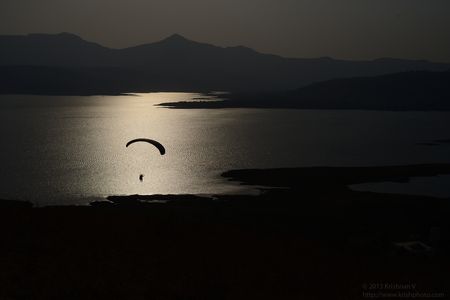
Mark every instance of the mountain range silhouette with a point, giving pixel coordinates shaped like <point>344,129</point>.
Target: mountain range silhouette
<point>66,64</point>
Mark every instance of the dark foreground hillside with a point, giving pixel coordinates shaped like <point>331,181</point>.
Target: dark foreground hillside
<point>315,239</point>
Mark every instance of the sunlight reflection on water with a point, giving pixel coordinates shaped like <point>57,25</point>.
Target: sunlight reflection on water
<point>69,150</point>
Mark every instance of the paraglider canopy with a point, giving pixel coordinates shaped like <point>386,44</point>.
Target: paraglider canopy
<point>160,147</point>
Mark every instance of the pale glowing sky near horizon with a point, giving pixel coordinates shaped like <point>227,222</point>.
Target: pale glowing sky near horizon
<point>348,29</point>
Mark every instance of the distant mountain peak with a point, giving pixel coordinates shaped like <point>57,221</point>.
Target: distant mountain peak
<point>243,49</point>
<point>176,38</point>
<point>64,35</point>
<point>69,35</point>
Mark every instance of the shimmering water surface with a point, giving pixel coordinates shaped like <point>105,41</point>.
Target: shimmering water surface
<point>71,150</point>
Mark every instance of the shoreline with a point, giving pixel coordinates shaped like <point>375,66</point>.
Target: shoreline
<point>295,178</point>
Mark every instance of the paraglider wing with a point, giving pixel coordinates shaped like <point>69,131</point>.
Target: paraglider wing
<point>160,147</point>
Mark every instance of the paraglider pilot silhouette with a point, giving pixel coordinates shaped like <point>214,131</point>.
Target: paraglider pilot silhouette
<point>160,147</point>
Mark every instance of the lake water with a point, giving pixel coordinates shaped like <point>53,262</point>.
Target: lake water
<point>71,150</point>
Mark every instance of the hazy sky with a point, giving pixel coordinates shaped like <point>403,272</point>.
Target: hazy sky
<point>350,29</point>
